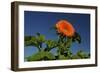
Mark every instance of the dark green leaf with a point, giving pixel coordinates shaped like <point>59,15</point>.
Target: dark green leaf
<point>38,34</point>
<point>27,38</point>
<point>77,38</point>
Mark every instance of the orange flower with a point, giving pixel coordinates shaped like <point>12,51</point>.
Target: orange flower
<point>64,27</point>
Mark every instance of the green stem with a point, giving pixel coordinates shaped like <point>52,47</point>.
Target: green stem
<point>69,42</point>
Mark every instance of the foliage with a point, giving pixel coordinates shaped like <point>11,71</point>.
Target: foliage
<point>62,45</point>
<point>41,56</point>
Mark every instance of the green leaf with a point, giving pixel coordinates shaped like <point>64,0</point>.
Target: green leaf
<point>62,57</point>
<point>27,38</point>
<point>77,38</point>
<point>31,41</point>
<point>50,56</point>
<point>41,56</point>
<point>38,34</point>
<point>40,38</point>
<point>27,41</point>
<point>36,57</point>
<point>75,57</point>
<point>82,54</point>
<point>33,38</point>
<point>50,44</point>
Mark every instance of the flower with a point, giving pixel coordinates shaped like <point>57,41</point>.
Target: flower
<point>64,27</point>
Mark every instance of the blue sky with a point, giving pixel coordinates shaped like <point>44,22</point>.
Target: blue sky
<point>42,22</point>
